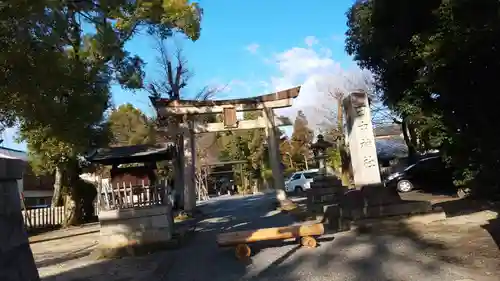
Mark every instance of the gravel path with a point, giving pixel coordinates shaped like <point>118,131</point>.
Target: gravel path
<point>349,256</point>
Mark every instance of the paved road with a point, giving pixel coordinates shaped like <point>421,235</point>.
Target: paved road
<point>350,256</point>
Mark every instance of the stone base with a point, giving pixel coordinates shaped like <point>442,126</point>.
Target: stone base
<point>339,218</point>
<point>135,228</point>
<point>368,202</point>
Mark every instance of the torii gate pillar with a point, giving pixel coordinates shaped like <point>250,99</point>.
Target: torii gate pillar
<point>274,155</point>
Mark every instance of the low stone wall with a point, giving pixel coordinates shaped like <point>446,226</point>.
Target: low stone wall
<point>135,227</point>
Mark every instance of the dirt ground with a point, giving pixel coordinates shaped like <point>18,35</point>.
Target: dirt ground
<point>469,237</point>
<point>465,239</point>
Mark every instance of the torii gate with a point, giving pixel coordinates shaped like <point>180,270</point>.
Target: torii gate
<point>187,109</point>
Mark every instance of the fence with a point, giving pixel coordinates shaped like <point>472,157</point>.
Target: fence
<point>123,195</point>
<point>44,217</point>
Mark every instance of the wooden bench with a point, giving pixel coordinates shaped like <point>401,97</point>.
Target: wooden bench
<point>241,239</point>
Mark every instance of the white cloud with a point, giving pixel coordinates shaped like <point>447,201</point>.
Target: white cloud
<point>252,48</point>
<point>311,41</point>
<point>314,69</point>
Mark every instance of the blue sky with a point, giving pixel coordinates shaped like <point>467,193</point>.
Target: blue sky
<point>255,47</point>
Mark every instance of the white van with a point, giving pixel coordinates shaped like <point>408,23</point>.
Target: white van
<point>300,181</point>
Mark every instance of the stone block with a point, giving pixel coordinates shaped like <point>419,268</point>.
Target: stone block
<point>322,196</point>
<point>16,258</point>
<point>135,227</point>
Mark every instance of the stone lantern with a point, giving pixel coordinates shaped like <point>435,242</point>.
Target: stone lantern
<point>319,150</point>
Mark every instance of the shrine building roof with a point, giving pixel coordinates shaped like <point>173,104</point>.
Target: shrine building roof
<point>132,154</point>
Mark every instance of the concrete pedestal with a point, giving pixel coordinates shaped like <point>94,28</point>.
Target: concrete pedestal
<point>16,258</point>
<point>134,228</point>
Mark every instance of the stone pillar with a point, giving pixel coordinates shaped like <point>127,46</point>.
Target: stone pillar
<point>359,134</point>
<point>274,155</point>
<point>190,170</point>
<point>16,259</point>
<point>178,162</point>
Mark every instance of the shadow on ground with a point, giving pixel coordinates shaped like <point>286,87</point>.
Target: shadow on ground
<point>466,206</point>
<point>80,253</point>
<point>368,254</point>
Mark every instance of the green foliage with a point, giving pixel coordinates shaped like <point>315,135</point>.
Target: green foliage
<point>57,75</point>
<point>334,159</point>
<point>38,34</point>
<point>432,61</point>
<point>302,138</point>
<point>129,126</point>
<point>245,145</point>
<point>267,174</point>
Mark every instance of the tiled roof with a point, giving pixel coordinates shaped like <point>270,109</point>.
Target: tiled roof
<point>13,153</point>
<point>388,130</point>
<point>130,154</point>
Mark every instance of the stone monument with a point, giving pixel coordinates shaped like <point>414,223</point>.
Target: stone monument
<point>361,141</point>
<point>16,258</point>
<point>369,198</point>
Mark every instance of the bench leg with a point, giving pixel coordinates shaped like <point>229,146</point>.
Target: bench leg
<point>308,242</point>
<point>242,251</point>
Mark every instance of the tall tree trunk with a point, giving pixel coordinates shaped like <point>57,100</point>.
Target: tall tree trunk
<point>412,152</point>
<point>78,199</point>
<point>73,208</point>
<point>58,182</point>
<point>345,160</point>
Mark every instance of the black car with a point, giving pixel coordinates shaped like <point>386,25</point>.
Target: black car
<point>427,173</point>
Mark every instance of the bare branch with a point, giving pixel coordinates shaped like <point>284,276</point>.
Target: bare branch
<point>173,69</point>
<point>209,92</point>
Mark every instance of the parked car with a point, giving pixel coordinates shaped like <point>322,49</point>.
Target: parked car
<point>427,173</point>
<point>300,181</point>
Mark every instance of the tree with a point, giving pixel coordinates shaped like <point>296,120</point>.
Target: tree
<point>41,33</point>
<point>428,58</point>
<point>173,84</point>
<point>246,145</point>
<point>58,104</point>
<point>129,126</point>
<point>81,74</point>
<point>302,138</point>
